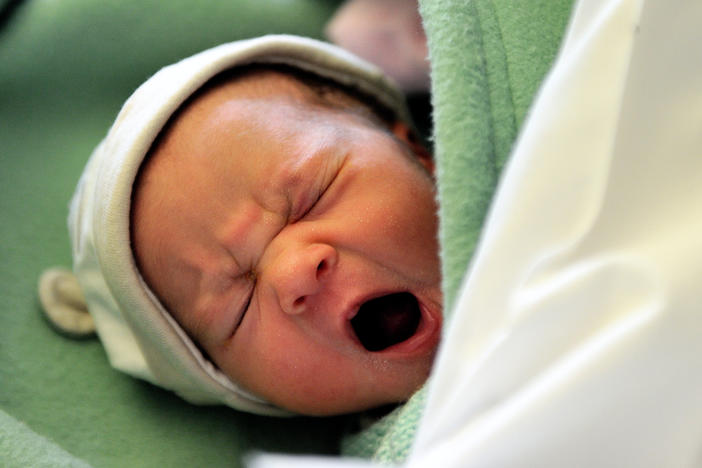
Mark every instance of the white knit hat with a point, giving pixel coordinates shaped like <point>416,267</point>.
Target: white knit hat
<point>140,336</point>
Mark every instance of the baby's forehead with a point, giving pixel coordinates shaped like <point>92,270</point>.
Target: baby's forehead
<point>208,106</point>
<point>252,86</point>
<point>230,108</point>
<point>262,94</point>
<point>293,86</point>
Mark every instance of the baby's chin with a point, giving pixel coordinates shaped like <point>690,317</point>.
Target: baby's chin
<point>360,403</point>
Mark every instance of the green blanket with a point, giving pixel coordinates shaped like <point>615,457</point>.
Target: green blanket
<point>488,58</point>
<point>66,67</point>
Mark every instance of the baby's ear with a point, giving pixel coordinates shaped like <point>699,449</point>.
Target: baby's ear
<point>403,132</point>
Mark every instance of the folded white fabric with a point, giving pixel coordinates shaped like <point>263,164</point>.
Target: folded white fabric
<point>139,335</point>
<point>576,338</point>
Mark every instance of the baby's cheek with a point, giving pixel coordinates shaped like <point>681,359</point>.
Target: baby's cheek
<point>410,222</point>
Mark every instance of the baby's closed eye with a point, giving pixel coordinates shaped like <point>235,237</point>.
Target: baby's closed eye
<point>313,197</point>
<point>241,311</point>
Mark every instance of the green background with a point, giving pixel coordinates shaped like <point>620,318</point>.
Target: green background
<point>65,69</point>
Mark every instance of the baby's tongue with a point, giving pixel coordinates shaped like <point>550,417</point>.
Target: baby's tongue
<point>386,320</point>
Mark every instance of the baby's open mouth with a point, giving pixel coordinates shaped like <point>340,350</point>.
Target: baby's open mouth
<point>387,320</point>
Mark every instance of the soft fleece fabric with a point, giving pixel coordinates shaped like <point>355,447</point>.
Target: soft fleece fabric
<point>488,59</point>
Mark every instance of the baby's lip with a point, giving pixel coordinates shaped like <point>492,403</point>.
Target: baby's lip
<point>425,338</point>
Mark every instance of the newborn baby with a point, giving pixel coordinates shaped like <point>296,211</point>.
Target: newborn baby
<point>259,229</point>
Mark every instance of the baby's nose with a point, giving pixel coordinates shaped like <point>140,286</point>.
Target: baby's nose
<point>300,274</point>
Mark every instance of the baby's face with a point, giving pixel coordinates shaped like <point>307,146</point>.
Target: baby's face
<point>297,246</point>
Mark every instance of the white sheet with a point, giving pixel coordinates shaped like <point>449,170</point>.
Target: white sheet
<point>577,337</point>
